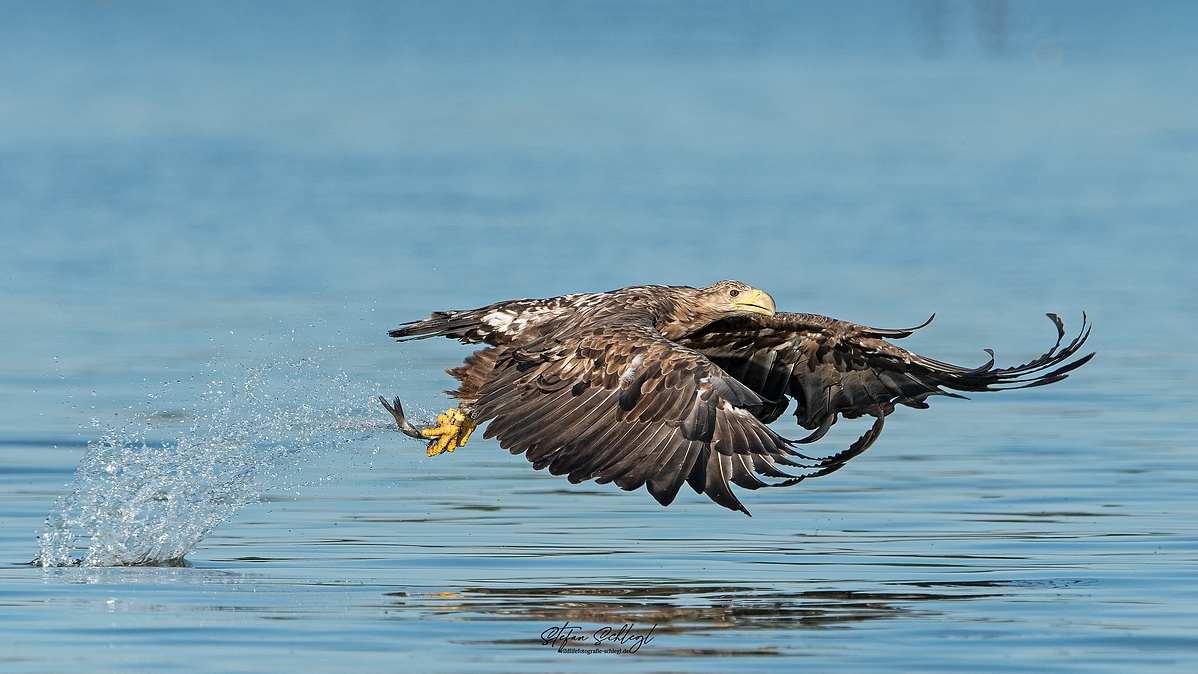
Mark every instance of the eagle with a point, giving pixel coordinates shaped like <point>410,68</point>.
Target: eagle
<point>658,385</point>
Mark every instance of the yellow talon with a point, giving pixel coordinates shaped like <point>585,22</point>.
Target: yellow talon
<point>453,429</point>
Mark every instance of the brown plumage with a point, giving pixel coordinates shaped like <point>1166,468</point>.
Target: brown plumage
<point>657,385</point>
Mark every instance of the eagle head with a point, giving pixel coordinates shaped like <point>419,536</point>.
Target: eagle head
<point>734,297</point>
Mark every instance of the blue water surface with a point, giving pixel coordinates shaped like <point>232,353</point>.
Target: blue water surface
<point>211,213</point>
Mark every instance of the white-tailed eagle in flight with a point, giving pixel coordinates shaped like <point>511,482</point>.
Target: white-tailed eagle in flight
<point>661,385</point>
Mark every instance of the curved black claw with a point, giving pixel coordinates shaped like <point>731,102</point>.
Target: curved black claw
<point>397,412</point>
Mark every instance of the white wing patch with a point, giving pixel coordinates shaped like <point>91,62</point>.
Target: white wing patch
<point>732,409</point>
<point>513,324</point>
<point>501,321</point>
<point>630,373</point>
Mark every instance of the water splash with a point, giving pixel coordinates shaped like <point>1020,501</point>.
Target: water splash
<point>137,501</point>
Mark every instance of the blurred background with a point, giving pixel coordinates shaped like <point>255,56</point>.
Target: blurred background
<point>171,172</point>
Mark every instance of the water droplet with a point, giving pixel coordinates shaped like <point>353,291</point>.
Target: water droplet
<point>141,501</point>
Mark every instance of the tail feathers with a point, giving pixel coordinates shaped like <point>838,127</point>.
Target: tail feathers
<point>464,325</point>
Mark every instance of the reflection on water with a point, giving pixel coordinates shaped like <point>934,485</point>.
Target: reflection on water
<point>674,609</point>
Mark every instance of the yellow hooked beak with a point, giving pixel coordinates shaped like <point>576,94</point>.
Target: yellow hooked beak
<point>757,301</point>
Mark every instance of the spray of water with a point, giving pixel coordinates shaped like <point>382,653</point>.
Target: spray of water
<point>137,501</point>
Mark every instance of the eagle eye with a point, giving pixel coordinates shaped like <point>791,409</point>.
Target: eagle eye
<point>734,293</point>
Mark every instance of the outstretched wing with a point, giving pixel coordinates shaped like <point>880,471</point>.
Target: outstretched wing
<point>834,368</point>
<point>623,404</point>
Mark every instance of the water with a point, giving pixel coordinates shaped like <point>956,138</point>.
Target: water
<point>137,502</point>
<point>210,216</point>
